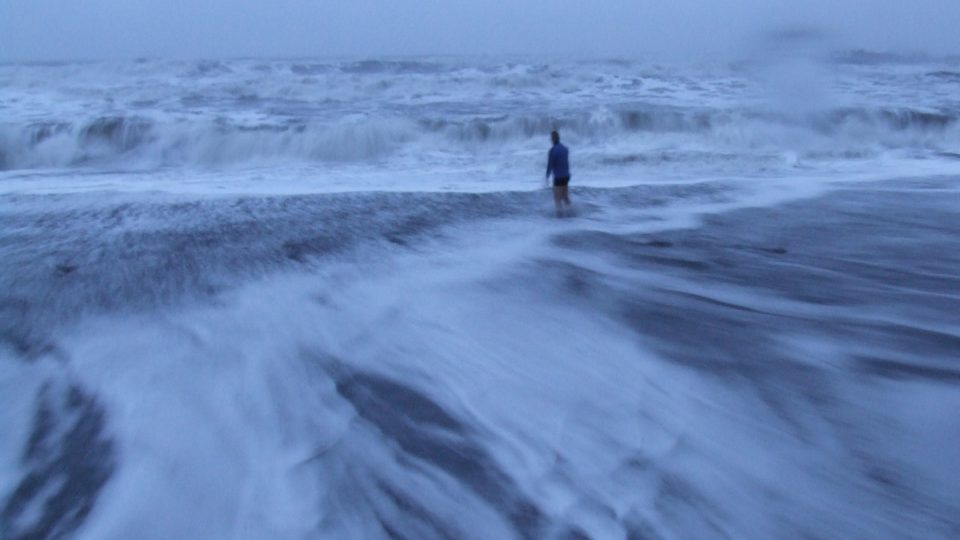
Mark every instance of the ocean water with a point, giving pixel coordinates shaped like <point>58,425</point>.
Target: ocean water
<point>330,299</point>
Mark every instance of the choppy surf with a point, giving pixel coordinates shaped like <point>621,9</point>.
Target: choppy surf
<point>296,299</point>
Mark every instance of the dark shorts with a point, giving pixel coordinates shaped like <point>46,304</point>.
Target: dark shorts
<point>561,182</point>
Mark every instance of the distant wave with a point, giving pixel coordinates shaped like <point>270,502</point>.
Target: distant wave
<point>945,75</point>
<point>870,58</point>
<point>382,66</point>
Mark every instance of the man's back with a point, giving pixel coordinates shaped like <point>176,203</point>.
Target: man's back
<point>558,161</point>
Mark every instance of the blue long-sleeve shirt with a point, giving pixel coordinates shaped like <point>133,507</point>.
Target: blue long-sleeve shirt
<point>558,161</point>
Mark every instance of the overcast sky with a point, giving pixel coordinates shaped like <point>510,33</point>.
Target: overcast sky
<point>69,29</point>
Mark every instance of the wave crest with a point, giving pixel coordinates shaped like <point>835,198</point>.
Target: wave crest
<point>142,142</point>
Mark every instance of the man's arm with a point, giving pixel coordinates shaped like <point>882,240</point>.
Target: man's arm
<point>549,162</point>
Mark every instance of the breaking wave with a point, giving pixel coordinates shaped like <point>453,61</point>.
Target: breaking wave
<point>138,141</point>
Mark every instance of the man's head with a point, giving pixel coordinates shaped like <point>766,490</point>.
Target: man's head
<point>555,136</point>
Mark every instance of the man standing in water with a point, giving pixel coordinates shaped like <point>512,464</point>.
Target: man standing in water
<point>558,163</point>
